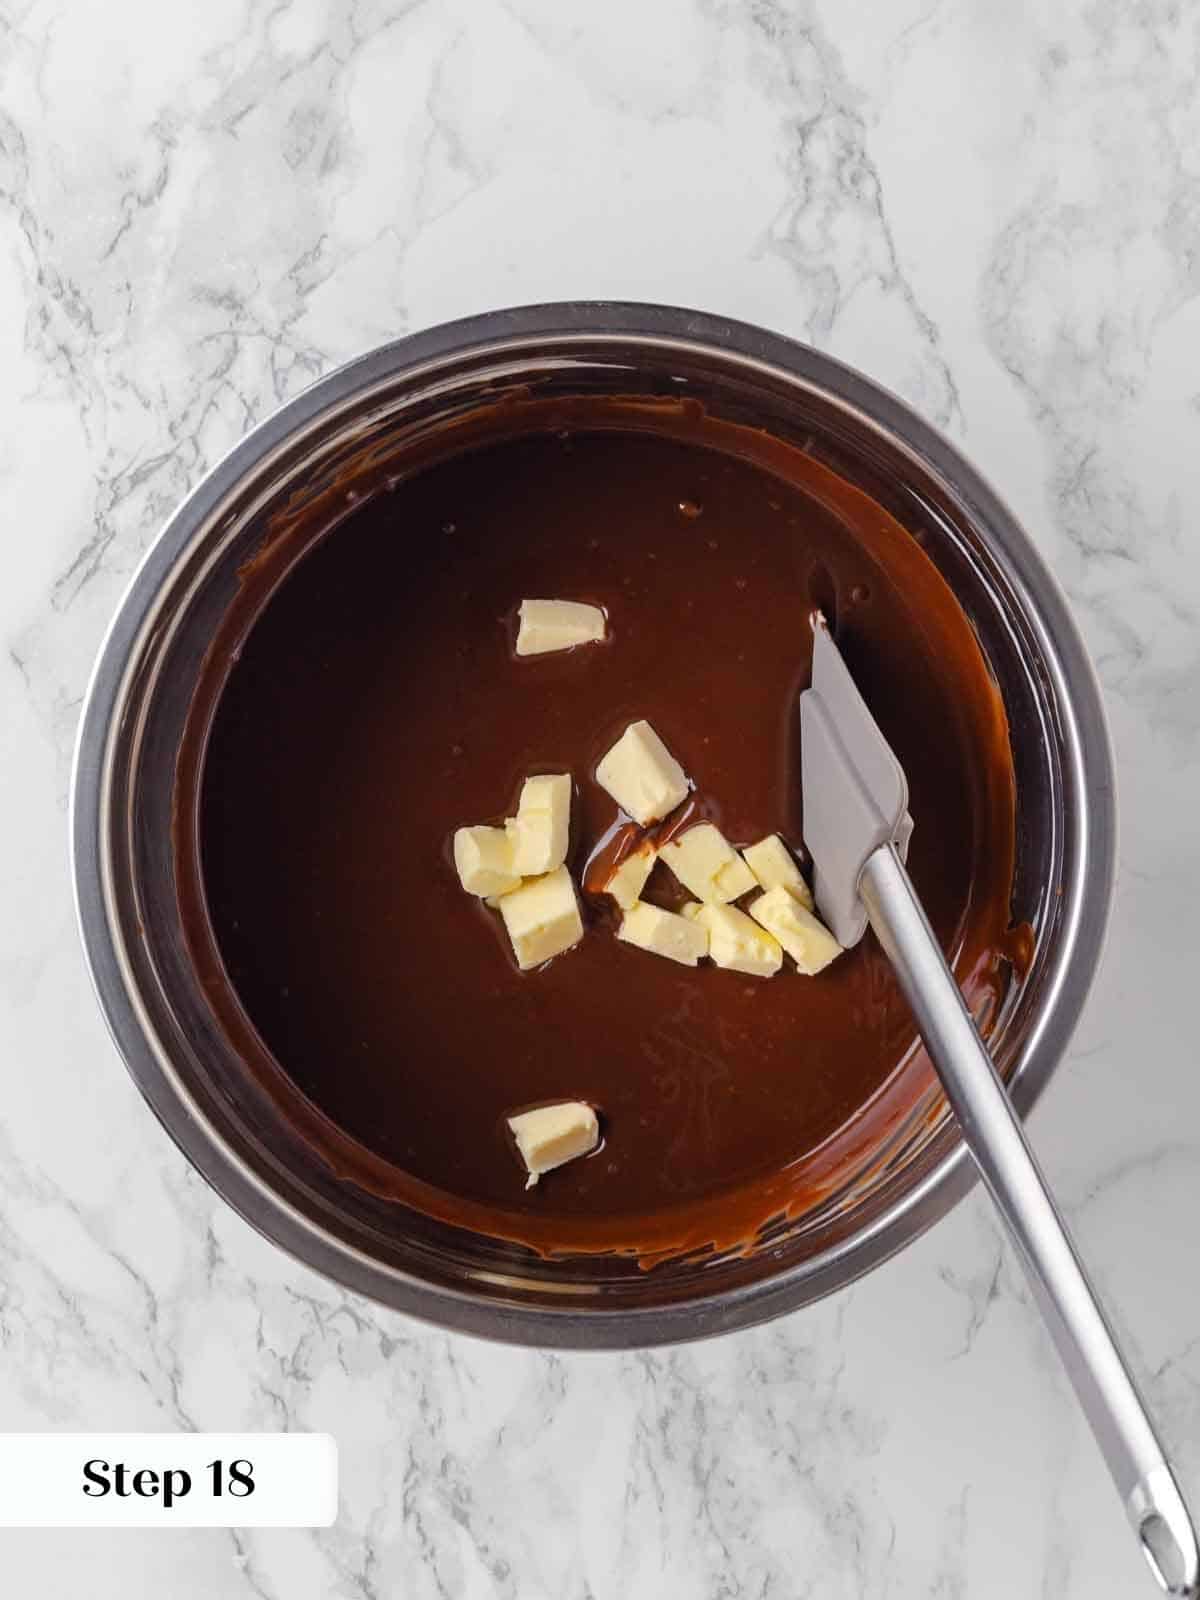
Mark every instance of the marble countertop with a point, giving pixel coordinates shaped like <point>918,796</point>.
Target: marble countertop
<point>993,210</point>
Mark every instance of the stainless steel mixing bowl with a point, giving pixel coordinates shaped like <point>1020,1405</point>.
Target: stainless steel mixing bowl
<point>139,696</point>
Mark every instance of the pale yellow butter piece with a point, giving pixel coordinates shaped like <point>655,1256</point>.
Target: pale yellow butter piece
<point>771,862</point>
<point>557,625</point>
<point>629,879</point>
<point>809,942</point>
<point>552,1135</point>
<point>707,864</point>
<point>664,934</point>
<point>737,943</point>
<point>542,826</point>
<point>642,775</point>
<point>734,880</point>
<point>542,918</point>
<point>484,860</point>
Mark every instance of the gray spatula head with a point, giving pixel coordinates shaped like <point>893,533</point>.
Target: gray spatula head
<point>855,791</point>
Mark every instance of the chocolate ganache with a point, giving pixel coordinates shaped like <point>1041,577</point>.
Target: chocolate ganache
<point>364,700</point>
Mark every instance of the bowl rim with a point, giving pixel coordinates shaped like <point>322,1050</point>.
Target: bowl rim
<point>1088,870</point>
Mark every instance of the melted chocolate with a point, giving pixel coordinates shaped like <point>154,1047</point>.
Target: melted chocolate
<point>356,713</point>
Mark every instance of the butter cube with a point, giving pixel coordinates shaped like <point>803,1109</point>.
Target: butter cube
<point>484,859</point>
<point>739,944</point>
<point>542,918</point>
<point>735,879</point>
<point>771,862</point>
<point>642,775</point>
<point>664,934</point>
<point>707,864</point>
<point>809,942</point>
<point>552,1135</point>
<point>628,880</point>
<point>557,625</point>
<point>541,828</point>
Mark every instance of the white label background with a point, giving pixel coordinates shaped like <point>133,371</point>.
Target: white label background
<point>42,1480</point>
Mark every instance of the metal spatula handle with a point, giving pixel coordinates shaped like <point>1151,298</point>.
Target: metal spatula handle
<point>997,1141</point>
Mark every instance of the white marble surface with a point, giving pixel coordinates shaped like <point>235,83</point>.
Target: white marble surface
<point>993,209</point>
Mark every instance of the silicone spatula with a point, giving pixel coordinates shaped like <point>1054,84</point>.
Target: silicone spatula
<point>857,828</point>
